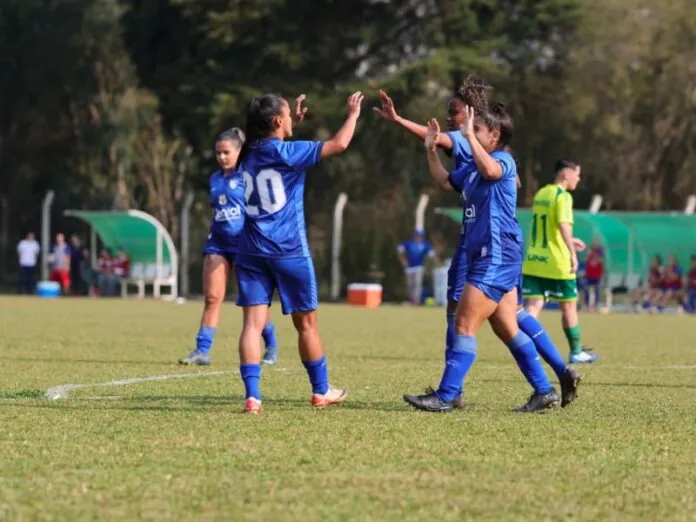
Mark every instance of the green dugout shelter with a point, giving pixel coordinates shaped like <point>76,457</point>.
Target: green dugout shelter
<point>629,239</point>
<point>153,256</point>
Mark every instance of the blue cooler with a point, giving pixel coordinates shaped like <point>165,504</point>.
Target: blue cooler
<point>48,289</point>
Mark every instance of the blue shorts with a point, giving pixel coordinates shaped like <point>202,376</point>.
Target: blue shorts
<point>456,276</point>
<point>520,297</point>
<point>258,277</point>
<point>213,248</point>
<point>495,278</point>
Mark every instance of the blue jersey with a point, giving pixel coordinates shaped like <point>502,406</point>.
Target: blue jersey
<point>489,208</point>
<point>416,252</point>
<point>463,157</point>
<point>461,150</point>
<point>274,176</point>
<point>227,202</point>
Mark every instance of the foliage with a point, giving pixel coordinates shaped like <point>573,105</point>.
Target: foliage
<point>114,104</point>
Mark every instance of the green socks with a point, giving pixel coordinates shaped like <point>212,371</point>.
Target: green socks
<point>573,336</point>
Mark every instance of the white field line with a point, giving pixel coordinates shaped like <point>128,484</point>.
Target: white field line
<point>62,391</point>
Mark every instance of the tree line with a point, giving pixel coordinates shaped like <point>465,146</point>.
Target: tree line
<point>114,104</point>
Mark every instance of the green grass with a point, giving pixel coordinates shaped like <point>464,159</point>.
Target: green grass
<point>181,449</point>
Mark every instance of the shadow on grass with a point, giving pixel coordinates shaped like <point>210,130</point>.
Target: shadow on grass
<point>390,358</point>
<point>586,383</point>
<point>193,403</point>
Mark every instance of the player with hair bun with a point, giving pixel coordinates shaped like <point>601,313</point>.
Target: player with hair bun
<point>472,93</point>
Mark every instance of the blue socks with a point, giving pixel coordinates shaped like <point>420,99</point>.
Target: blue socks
<point>458,360</point>
<point>318,373</point>
<point>449,340</point>
<point>268,334</point>
<point>525,354</point>
<point>204,339</point>
<point>251,375</point>
<point>543,343</point>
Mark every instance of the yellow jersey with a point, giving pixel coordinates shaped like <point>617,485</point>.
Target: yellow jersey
<point>547,255</point>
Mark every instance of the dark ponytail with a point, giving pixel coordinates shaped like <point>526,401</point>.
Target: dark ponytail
<point>261,112</point>
<point>498,118</point>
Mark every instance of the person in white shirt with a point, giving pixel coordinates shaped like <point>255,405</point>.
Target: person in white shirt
<point>28,252</point>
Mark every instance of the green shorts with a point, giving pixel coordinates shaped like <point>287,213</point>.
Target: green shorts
<point>549,289</point>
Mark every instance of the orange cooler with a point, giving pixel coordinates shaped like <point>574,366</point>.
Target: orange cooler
<point>364,294</point>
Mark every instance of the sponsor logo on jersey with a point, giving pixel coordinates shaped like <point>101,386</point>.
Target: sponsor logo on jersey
<point>535,258</point>
<point>228,213</point>
<point>470,213</point>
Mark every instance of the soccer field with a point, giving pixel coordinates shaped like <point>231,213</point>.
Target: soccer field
<point>180,449</point>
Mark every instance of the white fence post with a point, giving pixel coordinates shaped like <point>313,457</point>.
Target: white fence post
<point>596,203</point>
<point>46,233</point>
<point>185,241</point>
<point>420,211</point>
<point>336,245</point>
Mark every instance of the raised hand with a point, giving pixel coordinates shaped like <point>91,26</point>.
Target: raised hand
<point>387,110</point>
<point>433,134</point>
<point>467,127</point>
<point>298,112</point>
<point>354,103</point>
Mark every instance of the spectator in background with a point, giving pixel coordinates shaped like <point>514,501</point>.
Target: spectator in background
<point>107,281</point>
<point>691,287</point>
<point>594,273</point>
<point>652,293</point>
<point>672,283</point>
<point>77,255</point>
<point>413,255</point>
<point>28,250</point>
<point>88,273</point>
<point>121,265</point>
<point>60,261</point>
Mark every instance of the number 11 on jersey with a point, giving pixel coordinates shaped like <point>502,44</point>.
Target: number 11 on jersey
<point>536,221</point>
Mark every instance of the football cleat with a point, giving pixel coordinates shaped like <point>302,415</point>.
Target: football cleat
<point>569,387</point>
<point>457,403</point>
<point>253,406</point>
<point>429,402</point>
<point>196,358</point>
<point>270,356</point>
<point>332,396</point>
<point>539,402</point>
<point>582,357</point>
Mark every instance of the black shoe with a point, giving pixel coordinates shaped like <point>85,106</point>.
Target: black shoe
<point>458,402</point>
<point>539,402</point>
<point>428,402</point>
<point>569,387</point>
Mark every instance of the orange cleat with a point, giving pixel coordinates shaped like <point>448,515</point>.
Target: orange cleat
<point>332,396</point>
